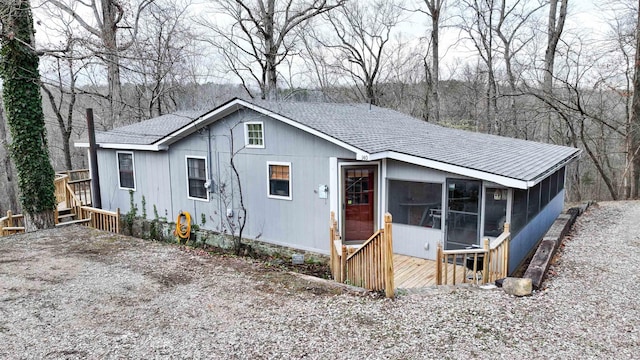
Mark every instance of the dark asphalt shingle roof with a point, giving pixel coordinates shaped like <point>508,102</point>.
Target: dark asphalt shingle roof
<point>374,130</point>
<point>149,131</point>
<point>381,129</point>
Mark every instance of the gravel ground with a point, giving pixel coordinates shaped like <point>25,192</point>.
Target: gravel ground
<point>78,293</point>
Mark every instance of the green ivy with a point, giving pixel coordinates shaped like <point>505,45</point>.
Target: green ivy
<point>23,106</point>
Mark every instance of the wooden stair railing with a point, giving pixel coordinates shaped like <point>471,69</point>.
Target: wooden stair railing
<point>492,260</point>
<point>73,188</point>
<point>370,265</point>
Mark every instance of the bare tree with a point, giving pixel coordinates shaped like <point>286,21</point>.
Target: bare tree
<point>106,27</point>
<point>63,104</point>
<point>155,60</point>
<point>261,36</point>
<point>555,26</point>
<point>476,21</point>
<point>634,124</point>
<point>434,11</point>
<point>356,41</point>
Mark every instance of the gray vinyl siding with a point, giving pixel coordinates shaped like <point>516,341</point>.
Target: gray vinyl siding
<point>527,239</point>
<point>152,180</point>
<point>300,222</point>
<point>415,240</point>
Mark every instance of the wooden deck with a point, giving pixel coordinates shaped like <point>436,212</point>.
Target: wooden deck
<point>411,272</point>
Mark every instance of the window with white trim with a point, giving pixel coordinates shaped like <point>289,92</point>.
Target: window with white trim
<point>196,178</point>
<point>126,174</point>
<point>254,134</point>
<point>279,180</point>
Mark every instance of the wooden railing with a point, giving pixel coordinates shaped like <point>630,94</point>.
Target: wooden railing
<point>11,224</point>
<point>492,261</point>
<point>337,251</point>
<point>60,183</point>
<point>74,189</point>
<point>102,219</point>
<point>82,189</point>
<point>73,202</point>
<point>74,175</point>
<point>371,265</point>
<point>498,267</point>
<point>452,264</point>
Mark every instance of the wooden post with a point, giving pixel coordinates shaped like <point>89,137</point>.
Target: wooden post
<point>439,264</point>
<point>486,261</point>
<point>118,221</point>
<point>331,245</point>
<point>96,200</point>
<point>505,252</point>
<point>388,270</point>
<point>343,265</point>
<point>9,218</point>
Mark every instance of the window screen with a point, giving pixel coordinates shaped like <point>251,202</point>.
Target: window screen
<point>415,203</point>
<point>197,176</point>
<point>125,169</point>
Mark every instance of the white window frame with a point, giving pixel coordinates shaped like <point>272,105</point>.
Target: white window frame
<point>246,134</point>
<point>279,163</point>
<point>133,165</point>
<point>206,170</point>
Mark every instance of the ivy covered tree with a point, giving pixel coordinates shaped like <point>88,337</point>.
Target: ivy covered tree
<point>23,107</point>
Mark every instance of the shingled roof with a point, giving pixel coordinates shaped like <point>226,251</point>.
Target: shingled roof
<point>375,131</point>
<point>148,132</point>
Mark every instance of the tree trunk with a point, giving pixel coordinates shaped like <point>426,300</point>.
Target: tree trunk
<point>435,46</point>
<point>635,117</point>
<point>554,31</point>
<point>10,186</point>
<point>112,58</point>
<point>41,220</point>
<point>23,105</point>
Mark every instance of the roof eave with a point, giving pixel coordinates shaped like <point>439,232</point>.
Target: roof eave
<point>234,105</point>
<point>455,169</point>
<point>558,166</point>
<point>141,147</point>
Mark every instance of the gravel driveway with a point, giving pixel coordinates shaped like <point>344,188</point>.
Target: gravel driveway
<point>79,293</point>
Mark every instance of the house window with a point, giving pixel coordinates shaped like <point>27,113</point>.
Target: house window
<point>254,134</point>
<point>126,176</point>
<point>279,180</point>
<point>415,203</point>
<point>196,178</point>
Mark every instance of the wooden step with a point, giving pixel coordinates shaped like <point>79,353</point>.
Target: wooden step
<point>66,217</point>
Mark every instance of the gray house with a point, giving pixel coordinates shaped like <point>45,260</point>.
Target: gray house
<point>297,162</point>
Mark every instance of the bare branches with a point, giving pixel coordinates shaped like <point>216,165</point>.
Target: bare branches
<point>263,35</point>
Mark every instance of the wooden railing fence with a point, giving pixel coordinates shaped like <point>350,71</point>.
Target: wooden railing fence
<point>491,261</point>
<point>11,224</point>
<point>370,265</point>
<point>82,189</point>
<point>74,189</point>
<point>60,184</point>
<point>74,175</point>
<point>498,267</point>
<point>102,219</point>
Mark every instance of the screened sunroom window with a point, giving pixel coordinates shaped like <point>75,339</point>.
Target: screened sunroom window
<point>415,203</point>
